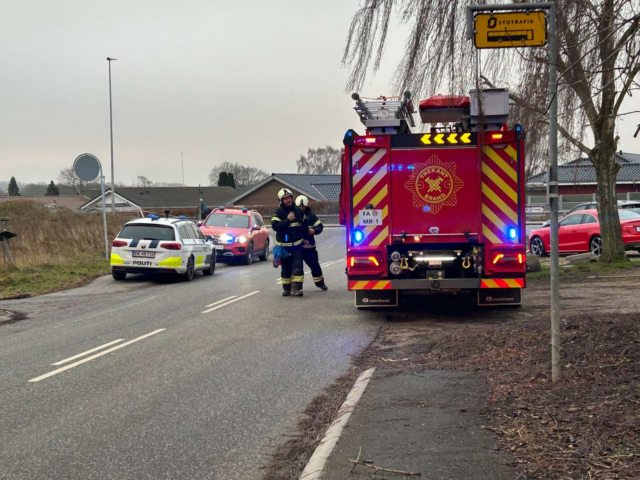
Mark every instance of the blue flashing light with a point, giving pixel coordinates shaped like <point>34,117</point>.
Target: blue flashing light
<point>358,236</point>
<point>357,170</point>
<point>370,171</point>
<point>182,217</point>
<point>512,233</point>
<point>518,128</point>
<point>348,134</point>
<point>400,167</point>
<point>426,208</point>
<point>411,167</point>
<point>226,238</point>
<point>153,216</point>
<point>393,167</point>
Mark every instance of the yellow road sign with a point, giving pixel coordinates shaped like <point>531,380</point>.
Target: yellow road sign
<point>510,30</point>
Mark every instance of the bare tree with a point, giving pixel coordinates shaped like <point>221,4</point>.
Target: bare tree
<point>320,161</point>
<point>598,61</point>
<point>244,176</point>
<point>68,178</point>
<point>143,182</point>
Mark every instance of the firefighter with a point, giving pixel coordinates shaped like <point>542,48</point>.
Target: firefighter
<point>312,227</point>
<point>287,223</point>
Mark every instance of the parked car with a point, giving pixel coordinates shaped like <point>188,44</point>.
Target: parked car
<point>237,233</point>
<point>580,232</point>
<point>161,245</point>
<point>624,204</point>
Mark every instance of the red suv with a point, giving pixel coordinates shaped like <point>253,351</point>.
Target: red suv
<point>237,233</point>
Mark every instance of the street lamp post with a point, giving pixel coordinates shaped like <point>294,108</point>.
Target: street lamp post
<point>113,186</point>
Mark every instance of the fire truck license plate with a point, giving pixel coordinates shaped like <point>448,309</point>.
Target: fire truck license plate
<point>370,217</point>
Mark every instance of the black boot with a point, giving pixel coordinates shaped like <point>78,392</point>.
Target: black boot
<point>296,290</point>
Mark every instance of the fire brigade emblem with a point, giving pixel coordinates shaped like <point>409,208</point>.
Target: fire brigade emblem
<point>434,184</point>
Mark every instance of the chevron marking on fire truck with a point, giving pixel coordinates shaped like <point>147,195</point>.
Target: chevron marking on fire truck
<point>499,161</point>
<point>371,163</point>
<point>370,285</point>
<point>370,186</point>
<point>502,283</point>
<point>356,157</point>
<point>499,197</point>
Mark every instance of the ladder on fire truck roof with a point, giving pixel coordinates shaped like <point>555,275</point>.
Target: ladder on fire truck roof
<point>386,115</point>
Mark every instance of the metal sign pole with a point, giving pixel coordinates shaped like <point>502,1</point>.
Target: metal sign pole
<point>552,189</point>
<point>553,196</point>
<point>104,216</point>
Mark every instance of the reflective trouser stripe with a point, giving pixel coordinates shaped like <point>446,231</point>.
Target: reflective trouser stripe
<point>318,279</point>
<point>286,281</point>
<point>281,244</point>
<point>297,279</point>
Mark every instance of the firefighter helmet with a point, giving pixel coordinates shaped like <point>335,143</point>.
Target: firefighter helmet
<point>302,201</point>
<point>285,192</point>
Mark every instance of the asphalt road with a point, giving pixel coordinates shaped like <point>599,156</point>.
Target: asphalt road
<point>195,380</point>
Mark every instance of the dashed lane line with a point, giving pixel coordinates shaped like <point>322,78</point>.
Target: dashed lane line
<point>62,362</point>
<point>93,357</point>
<point>230,302</point>
<point>220,301</point>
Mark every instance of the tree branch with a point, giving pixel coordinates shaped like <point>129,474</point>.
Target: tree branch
<point>563,131</point>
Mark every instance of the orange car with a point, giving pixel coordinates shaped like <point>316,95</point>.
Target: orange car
<point>237,233</point>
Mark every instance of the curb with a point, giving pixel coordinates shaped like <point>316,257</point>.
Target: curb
<point>315,467</point>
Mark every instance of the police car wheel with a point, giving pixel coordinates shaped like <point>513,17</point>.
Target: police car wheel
<point>212,268</point>
<point>188,275</point>
<point>265,254</point>
<point>248,258</point>
<point>118,275</point>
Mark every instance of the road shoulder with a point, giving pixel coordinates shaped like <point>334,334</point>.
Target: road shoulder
<point>427,422</point>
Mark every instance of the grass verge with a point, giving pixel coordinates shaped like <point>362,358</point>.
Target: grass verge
<point>580,273</point>
<point>30,281</point>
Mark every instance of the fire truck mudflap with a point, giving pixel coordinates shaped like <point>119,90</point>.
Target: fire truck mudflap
<point>438,212</point>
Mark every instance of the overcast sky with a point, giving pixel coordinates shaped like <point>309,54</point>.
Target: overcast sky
<point>258,82</point>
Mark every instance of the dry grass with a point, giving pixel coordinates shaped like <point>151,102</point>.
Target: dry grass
<point>50,237</point>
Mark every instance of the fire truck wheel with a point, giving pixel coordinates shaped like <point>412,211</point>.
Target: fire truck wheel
<point>537,247</point>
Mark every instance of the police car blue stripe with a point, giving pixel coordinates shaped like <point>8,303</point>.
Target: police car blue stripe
<point>134,243</point>
<point>154,244</point>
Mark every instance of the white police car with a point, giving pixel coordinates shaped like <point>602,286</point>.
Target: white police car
<point>163,245</point>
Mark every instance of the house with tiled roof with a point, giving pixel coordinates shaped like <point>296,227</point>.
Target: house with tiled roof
<point>135,199</point>
<point>318,188</point>
<point>578,177</point>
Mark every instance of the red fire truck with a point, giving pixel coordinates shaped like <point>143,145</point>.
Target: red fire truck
<point>438,211</point>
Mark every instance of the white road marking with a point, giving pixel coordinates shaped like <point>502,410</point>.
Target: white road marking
<point>87,352</point>
<point>230,302</point>
<point>97,355</point>
<point>315,467</point>
<point>216,303</point>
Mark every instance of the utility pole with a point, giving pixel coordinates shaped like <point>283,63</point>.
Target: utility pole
<point>182,161</point>
<point>113,184</point>
<point>553,195</point>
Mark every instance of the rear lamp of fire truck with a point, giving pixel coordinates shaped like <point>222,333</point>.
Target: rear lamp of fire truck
<point>507,260</point>
<point>365,263</point>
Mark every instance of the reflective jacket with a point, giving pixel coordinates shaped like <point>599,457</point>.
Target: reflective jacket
<point>288,233</point>
<point>311,221</point>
